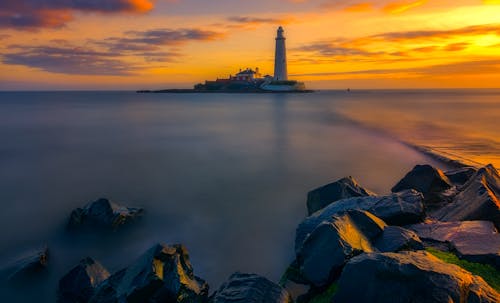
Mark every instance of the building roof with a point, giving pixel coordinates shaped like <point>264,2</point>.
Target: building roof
<point>247,72</point>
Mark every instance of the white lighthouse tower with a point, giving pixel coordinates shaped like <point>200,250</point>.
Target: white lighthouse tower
<point>280,69</point>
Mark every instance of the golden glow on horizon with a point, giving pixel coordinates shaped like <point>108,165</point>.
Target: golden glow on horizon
<point>399,44</point>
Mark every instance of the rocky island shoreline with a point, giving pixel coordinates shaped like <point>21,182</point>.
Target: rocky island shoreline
<point>434,239</point>
<point>253,90</point>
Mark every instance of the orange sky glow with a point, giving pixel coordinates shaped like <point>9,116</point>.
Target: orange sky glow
<point>146,44</point>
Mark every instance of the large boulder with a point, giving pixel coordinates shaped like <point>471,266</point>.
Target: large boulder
<point>401,208</point>
<point>326,250</point>
<point>331,244</point>
<point>344,188</point>
<point>161,274</point>
<point>79,284</point>
<point>248,288</point>
<point>103,213</point>
<point>416,277</point>
<point>478,200</point>
<point>30,265</point>
<point>460,176</point>
<point>395,238</point>
<point>428,180</point>
<point>475,241</point>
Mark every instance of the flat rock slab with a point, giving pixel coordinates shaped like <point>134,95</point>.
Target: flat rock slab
<point>250,288</point>
<point>416,277</point>
<point>401,208</point>
<point>477,200</point>
<point>476,241</point>
<point>344,188</point>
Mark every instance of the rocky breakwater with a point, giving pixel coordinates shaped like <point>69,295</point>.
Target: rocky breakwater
<point>360,247</point>
<point>163,274</point>
<point>433,239</point>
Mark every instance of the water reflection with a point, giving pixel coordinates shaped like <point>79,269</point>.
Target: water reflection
<point>279,103</point>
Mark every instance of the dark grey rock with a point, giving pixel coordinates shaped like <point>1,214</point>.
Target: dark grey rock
<point>28,266</point>
<point>344,188</point>
<point>103,213</point>
<point>162,274</point>
<point>79,284</point>
<point>401,208</point>
<point>248,288</point>
<point>475,241</point>
<point>416,277</point>
<point>426,179</point>
<point>332,244</point>
<point>479,199</point>
<point>395,238</point>
<point>460,176</point>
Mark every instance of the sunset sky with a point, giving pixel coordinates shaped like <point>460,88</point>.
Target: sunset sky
<point>148,44</point>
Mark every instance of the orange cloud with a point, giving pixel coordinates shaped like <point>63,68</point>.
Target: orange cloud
<point>400,7</point>
<point>399,48</point>
<point>360,7</point>
<point>475,67</point>
<point>141,5</point>
<point>454,47</point>
<point>474,30</point>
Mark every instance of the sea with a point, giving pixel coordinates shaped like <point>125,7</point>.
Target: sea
<point>224,174</point>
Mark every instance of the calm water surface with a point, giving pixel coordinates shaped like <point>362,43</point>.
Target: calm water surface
<point>225,174</point>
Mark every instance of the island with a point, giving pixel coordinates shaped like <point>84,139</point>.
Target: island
<point>251,80</point>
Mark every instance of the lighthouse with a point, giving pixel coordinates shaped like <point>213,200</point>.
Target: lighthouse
<point>280,69</point>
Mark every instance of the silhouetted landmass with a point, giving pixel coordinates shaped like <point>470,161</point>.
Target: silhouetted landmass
<point>234,91</point>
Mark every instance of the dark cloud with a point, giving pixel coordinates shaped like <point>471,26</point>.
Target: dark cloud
<point>32,14</point>
<point>153,40</point>
<point>160,56</point>
<point>387,6</point>
<point>330,50</point>
<point>248,22</point>
<point>397,44</point>
<point>107,57</point>
<point>473,67</point>
<point>171,36</point>
<point>68,60</point>
<point>441,34</point>
<point>256,20</point>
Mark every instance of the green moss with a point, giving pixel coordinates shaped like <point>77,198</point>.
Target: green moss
<point>291,273</point>
<point>487,272</point>
<point>326,296</point>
